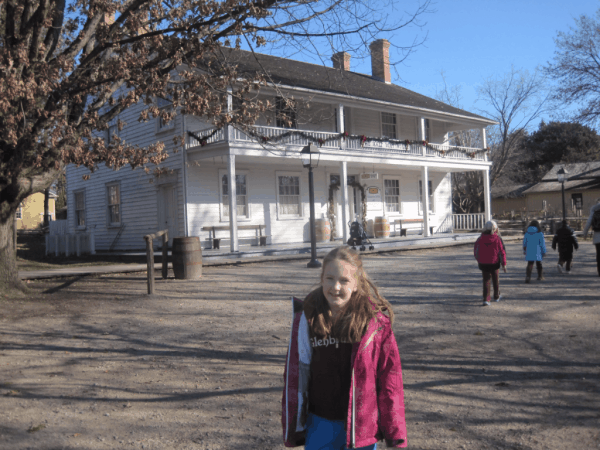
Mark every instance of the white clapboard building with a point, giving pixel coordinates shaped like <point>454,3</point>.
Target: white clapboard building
<point>377,141</point>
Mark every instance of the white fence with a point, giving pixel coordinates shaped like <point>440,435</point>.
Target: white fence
<point>468,221</point>
<point>60,242</point>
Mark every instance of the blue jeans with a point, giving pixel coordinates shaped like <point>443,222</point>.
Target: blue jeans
<point>323,434</point>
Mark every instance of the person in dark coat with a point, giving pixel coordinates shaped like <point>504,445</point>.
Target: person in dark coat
<point>567,241</point>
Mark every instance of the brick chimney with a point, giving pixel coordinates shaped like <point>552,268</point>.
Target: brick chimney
<point>341,61</point>
<point>380,60</point>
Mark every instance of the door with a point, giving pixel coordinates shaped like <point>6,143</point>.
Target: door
<point>167,210</point>
<point>577,203</point>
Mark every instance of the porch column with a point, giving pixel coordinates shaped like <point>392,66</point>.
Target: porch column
<point>233,232</point>
<point>340,124</point>
<point>344,189</point>
<point>484,143</point>
<point>228,127</point>
<point>487,203</point>
<point>425,200</point>
<point>422,133</point>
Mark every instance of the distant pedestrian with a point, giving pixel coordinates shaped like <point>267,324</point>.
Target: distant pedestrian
<point>343,380</point>
<point>567,241</point>
<point>534,248</point>
<point>594,222</point>
<point>490,254</point>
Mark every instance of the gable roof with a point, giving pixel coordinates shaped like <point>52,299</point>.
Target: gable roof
<point>509,190</point>
<point>579,176</point>
<point>297,74</point>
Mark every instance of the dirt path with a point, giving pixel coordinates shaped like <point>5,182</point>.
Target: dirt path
<point>95,364</point>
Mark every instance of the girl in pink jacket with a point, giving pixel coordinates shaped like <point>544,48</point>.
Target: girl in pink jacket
<point>343,380</point>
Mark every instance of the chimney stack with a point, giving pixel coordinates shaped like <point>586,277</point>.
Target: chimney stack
<point>380,60</point>
<point>341,61</point>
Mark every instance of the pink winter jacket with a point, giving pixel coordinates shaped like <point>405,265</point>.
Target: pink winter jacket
<point>489,249</point>
<point>376,406</point>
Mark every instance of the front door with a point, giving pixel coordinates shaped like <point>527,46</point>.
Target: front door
<point>577,202</point>
<point>167,210</point>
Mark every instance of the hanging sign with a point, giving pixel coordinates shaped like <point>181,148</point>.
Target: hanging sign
<point>369,176</point>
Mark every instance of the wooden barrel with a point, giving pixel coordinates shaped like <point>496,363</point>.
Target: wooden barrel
<point>381,227</point>
<point>322,230</point>
<point>187,258</point>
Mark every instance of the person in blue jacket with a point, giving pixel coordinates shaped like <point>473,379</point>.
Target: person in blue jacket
<point>534,248</point>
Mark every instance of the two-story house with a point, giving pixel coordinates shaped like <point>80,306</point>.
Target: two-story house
<point>384,152</point>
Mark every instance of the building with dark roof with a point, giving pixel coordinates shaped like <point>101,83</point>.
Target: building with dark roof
<point>385,154</point>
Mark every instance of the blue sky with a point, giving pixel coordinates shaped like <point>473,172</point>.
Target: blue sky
<point>474,39</point>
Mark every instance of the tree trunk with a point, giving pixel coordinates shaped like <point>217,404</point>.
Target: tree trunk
<point>46,207</point>
<point>9,274</point>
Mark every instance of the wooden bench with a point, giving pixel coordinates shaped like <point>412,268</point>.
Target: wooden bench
<point>216,242</point>
<point>403,222</point>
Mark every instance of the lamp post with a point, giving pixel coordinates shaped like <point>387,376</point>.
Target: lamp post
<point>562,175</point>
<point>310,159</point>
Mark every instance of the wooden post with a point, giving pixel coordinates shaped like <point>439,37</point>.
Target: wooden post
<point>165,254</point>
<point>150,261</point>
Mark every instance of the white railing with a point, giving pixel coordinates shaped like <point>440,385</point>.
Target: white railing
<point>468,221</point>
<point>58,227</point>
<point>445,226</point>
<point>276,136</point>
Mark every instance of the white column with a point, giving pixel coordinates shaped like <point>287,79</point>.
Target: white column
<point>233,234</point>
<point>484,142</point>
<point>486,195</point>
<point>228,128</point>
<point>340,124</point>
<point>344,189</point>
<point>422,133</point>
<point>425,190</point>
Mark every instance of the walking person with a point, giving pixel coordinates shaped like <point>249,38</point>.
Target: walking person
<point>534,248</point>
<point>343,379</point>
<point>490,254</point>
<point>567,241</point>
<point>594,222</point>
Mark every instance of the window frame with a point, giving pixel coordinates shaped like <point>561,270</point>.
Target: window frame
<point>160,127</point>
<point>282,108</point>
<point>420,194</point>
<point>385,202</point>
<point>110,224</point>
<point>222,216</point>
<point>75,194</point>
<point>394,124</point>
<point>280,215</point>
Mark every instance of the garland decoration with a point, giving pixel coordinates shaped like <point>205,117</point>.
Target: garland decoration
<point>345,135</point>
<point>331,209</point>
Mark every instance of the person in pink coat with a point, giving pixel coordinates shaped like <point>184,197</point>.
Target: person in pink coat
<point>343,379</point>
<point>490,255</point>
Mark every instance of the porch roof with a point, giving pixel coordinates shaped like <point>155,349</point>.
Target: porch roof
<point>297,74</point>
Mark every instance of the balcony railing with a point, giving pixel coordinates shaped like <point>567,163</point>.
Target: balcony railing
<point>283,136</point>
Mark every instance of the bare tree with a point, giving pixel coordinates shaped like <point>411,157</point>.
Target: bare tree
<point>576,68</point>
<point>69,67</point>
<point>467,187</point>
<point>516,100</point>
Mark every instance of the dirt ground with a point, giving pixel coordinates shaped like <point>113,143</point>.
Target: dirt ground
<point>93,363</point>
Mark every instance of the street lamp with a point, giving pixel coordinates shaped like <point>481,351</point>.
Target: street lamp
<point>562,176</point>
<point>310,159</point>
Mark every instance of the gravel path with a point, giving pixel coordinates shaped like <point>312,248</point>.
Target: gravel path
<point>93,363</point>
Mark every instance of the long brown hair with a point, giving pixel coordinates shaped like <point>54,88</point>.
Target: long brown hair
<point>363,305</point>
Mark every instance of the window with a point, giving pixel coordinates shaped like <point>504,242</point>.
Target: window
<point>163,105</point>
<point>19,213</point>
<point>430,186</point>
<point>80,209</point>
<point>288,195</point>
<point>112,131</point>
<point>113,192</point>
<point>241,189</point>
<point>427,130</point>
<point>392,196</point>
<point>285,113</point>
<point>388,125</point>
